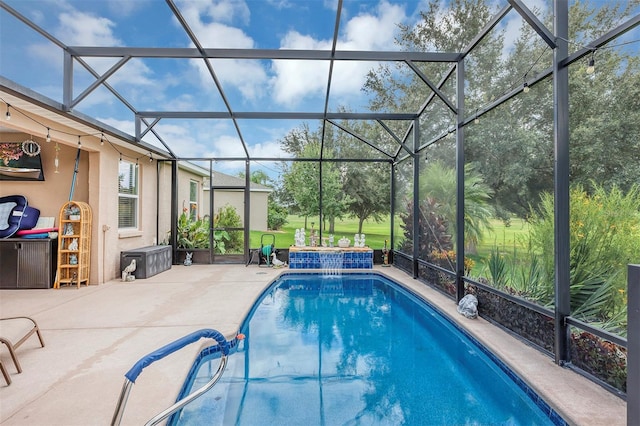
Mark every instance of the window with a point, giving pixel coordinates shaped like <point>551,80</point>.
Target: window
<point>193,199</point>
<point>127,195</point>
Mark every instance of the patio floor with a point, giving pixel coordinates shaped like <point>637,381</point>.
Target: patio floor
<point>93,335</point>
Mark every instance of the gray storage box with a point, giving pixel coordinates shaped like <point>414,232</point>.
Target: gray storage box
<point>150,260</point>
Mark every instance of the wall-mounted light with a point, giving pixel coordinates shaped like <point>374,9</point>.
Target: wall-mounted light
<point>150,157</point>
<point>48,139</point>
<point>8,114</point>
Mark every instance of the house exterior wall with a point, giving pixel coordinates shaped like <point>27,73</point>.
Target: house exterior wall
<point>49,195</point>
<point>185,176</point>
<point>258,205</point>
<point>97,185</point>
<point>118,240</point>
<point>164,201</point>
<point>259,211</point>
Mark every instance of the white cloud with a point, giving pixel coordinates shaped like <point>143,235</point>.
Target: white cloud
<point>227,146</point>
<point>248,77</point>
<point>127,8</point>
<point>270,149</point>
<point>292,82</point>
<point>373,31</point>
<point>84,29</point>
<point>180,138</point>
<point>220,24</point>
<point>228,11</point>
<point>80,28</point>
<point>296,80</point>
<point>281,4</point>
<point>47,54</point>
<point>135,73</point>
<point>126,126</point>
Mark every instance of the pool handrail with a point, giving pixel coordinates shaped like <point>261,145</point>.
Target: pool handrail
<point>134,372</point>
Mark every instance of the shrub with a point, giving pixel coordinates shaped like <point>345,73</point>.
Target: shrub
<point>604,238</point>
<point>276,216</point>
<point>228,240</point>
<point>192,233</point>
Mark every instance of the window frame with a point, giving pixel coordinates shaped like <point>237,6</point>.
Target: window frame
<point>133,194</point>
<point>193,204</point>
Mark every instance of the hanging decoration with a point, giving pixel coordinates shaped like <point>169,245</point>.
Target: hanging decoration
<point>56,161</point>
<point>9,151</point>
<point>31,147</point>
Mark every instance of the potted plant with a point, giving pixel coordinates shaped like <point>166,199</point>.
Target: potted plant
<point>193,237</point>
<point>73,212</point>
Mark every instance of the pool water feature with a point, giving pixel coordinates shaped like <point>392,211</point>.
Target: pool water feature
<point>357,349</point>
<point>331,262</point>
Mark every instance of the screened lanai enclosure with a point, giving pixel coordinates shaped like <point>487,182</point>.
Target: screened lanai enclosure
<point>492,146</point>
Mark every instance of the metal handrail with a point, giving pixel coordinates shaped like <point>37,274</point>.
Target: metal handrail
<point>134,372</point>
<point>192,396</point>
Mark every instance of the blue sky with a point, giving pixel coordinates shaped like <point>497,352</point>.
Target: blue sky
<point>164,84</point>
<point>185,85</point>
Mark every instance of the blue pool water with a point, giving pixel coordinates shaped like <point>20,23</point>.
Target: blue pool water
<point>357,350</point>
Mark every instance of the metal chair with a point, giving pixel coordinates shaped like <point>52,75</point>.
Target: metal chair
<point>14,331</point>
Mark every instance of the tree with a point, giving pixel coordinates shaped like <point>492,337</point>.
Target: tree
<point>513,145</point>
<point>367,185</point>
<point>438,182</point>
<point>302,183</point>
<point>259,177</point>
<point>334,199</point>
<point>277,212</point>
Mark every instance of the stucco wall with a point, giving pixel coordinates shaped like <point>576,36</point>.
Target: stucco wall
<point>258,200</point>
<point>96,184</point>
<point>258,205</point>
<point>49,195</point>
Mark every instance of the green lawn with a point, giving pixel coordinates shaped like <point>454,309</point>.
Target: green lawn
<point>505,237</point>
<point>375,233</point>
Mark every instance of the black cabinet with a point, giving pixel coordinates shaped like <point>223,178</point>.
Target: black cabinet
<point>150,260</point>
<point>27,263</point>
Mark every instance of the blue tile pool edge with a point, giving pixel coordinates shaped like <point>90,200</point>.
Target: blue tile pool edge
<point>549,411</point>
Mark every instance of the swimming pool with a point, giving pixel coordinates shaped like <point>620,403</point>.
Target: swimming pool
<point>357,349</point>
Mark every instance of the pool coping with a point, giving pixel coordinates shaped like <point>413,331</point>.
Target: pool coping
<point>93,335</point>
<point>546,408</point>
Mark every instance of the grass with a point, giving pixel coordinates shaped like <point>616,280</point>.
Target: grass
<point>375,233</point>
<point>502,236</point>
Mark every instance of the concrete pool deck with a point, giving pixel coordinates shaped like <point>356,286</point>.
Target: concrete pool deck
<point>94,334</point>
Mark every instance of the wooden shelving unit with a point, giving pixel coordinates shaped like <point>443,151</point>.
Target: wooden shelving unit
<point>74,244</point>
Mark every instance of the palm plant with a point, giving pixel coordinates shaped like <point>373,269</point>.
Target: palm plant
<point>439,182</point>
